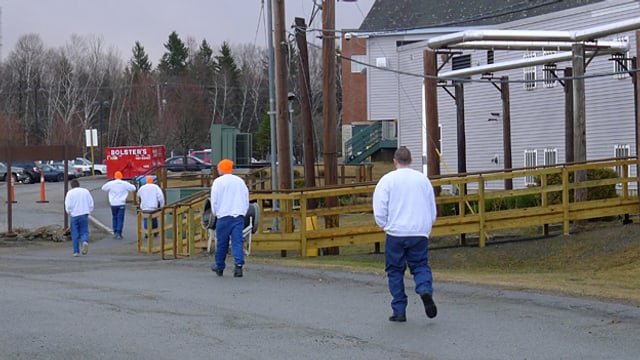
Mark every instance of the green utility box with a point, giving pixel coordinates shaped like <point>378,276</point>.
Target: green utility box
<point>176,194</point>
<point>228,142</point>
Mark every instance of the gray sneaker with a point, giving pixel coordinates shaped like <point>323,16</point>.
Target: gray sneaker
<point>85,248</point>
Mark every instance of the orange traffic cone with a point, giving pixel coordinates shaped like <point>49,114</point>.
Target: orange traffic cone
<point>42,197</point>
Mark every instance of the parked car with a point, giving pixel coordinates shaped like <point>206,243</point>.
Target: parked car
<point>31,171</point>
<point>85,166</point>
<point>16,172</point>
<point>56,172</point>
<point>73,170</point>
<point>185,163</point>
<point>204,155</point>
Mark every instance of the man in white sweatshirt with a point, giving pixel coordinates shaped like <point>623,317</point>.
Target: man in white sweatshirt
<point>229,204</point>
<point>118,190</point>
<point>78,203</point>
<point>404,206</point>
<point>151,199</point>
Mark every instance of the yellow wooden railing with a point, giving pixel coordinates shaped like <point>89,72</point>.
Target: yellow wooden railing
<point>294,226</point>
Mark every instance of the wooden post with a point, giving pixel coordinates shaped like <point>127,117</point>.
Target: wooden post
<point>329,109</point>
<point>579,117</point>
<point>568,115</point>
<point>431,109</point>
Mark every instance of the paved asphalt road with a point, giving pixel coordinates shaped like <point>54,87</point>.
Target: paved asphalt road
<point>116,304</point>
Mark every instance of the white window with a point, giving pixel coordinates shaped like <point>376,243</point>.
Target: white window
<point>549,73</point>
<point>358,65</point>
<point>621,151</point>
<point>529,73</point>
<point>621,62</point>
<point>550,156</point>
<point>530,161</point>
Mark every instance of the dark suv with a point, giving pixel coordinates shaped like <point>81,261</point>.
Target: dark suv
<point>31,171</point>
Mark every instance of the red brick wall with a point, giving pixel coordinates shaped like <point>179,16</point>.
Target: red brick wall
<point>354,85</point>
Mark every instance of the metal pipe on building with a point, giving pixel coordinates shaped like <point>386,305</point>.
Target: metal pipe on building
<point>514,64</point>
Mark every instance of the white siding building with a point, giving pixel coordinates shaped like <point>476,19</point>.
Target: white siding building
<point>537,108</point>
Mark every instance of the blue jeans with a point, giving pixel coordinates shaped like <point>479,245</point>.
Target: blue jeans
<point>154,222</point>
<point>79,230</point>
<point>117,219</point>
<point>225,227</point>
<point>400,252</point>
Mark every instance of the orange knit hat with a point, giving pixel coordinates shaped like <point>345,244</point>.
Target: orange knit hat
<point>225,166</point>
<point>118,175</point>
<point>149,179</point>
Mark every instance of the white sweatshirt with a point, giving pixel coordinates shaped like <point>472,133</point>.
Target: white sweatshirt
<point>229,196</point>
<point>151,197</point>
<point>118,190</point>
<point>78,201</point>
<point>404,203</point>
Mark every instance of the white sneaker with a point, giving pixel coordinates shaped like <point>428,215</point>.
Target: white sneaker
<point>75,254</point>
<point>85,248</point>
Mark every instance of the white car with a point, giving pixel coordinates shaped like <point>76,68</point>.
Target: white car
<point>85,166</point>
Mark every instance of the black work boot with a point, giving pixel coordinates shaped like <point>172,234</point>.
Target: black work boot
<point>215,270</point>
<point>237,272</point>
<point>429,305</point>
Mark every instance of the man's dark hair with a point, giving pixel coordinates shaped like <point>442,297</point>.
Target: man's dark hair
<point>75,183</point>
<point>402,155</point>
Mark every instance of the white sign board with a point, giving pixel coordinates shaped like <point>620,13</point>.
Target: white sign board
<point>92,137</point>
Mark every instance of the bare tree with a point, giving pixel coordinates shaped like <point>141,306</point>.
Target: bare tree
<point>253,85</point>
<point>25,66</point>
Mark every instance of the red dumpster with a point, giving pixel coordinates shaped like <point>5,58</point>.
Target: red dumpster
<point>133,161</point>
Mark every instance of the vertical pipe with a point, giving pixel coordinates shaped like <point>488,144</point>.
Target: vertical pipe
<point>505,95</point>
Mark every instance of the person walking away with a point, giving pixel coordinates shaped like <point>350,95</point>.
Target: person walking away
<point>151,198</point>
<point>78,203</point>
<point>118,190</point>
<point>404,206</point>
<point>229,204</point>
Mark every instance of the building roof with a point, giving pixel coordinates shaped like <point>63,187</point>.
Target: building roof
<point>398,15</point>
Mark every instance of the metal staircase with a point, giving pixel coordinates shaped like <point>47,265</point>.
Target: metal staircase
<point>369,140</point>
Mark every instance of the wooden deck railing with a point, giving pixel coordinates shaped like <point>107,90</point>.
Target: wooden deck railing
<point>294,226</point>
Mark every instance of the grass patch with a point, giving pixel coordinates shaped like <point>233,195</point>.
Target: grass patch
<point>598,260</point>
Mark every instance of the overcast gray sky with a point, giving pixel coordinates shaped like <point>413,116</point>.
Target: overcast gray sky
<point>122,22</point>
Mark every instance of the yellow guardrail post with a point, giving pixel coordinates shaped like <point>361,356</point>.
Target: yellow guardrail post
<point>191,224</point>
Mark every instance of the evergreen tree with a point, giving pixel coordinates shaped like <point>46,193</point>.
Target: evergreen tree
<point>263,137</point>
<point>226,87</point>
<point>204,65</point>
<point>226,64</point>
<point>174,61</point>
<point>139,63</point>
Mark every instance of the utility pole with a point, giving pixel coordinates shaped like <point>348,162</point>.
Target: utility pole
<point>329,109</point>
<point>329,92</point>
<point>282,115</point>
<point>272,96</point>
<point>272,109</point>
<point>305,106</point>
